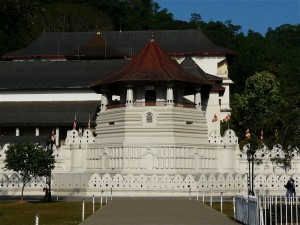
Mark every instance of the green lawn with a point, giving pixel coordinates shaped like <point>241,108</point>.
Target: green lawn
<point>227,208</point>
<point>62,213</point>
<point>50,213</point>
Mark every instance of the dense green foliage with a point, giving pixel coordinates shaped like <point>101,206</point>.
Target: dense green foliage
<point>29,160</point>
<point>255,108</point>
<point>267,101</point>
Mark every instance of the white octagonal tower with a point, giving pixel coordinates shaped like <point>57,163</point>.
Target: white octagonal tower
<point>153,127</point>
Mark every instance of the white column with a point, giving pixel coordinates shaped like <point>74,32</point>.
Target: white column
<point>37,132</point>
<point>197,99</point>
<point>57,137</point>
<point>104,101</point>
<point>170,95</point>
<point>17,132</point>
<point>129,96</point>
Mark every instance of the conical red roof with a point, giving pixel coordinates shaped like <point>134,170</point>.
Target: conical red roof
<point>151,64</point>
<point>97,48</point>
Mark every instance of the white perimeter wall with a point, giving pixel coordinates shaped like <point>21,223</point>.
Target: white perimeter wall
<point>71,95</point>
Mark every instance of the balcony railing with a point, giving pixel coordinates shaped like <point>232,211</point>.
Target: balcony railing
<point>150,103</point>
<point>115,105</point>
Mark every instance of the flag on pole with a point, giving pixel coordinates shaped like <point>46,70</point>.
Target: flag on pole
<point>261,135</point>
<point>248,134</point>
<point>74,122</point>
<point>227,118</point>
<point>53,136</point>
<point>215,118</point>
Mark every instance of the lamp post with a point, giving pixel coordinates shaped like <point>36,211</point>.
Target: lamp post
<point>250,159</point>
<point>48,196</point>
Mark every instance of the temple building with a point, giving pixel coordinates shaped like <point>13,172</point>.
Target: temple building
<point>138,112</point>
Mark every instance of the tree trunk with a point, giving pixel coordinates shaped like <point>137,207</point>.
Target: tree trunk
<point>22,190</point>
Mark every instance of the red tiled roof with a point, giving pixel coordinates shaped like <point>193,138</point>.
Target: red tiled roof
<point>96,48</point>
<point>151,64</point>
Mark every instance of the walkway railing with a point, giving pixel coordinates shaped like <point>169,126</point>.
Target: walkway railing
<point>150,103</point>
<point>265,210</point>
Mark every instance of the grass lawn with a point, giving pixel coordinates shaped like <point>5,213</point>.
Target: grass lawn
<point>227,208</point>
<point>50,213</point>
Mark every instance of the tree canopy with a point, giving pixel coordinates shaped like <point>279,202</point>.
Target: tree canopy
<point>29,160</point>
<point>255,108</point>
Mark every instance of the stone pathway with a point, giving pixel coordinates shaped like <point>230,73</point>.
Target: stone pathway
<point>157,211</point>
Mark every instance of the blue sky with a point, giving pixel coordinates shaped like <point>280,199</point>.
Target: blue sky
<point>257,15</point>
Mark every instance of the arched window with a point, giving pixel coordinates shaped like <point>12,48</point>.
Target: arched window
<point>149,118</point>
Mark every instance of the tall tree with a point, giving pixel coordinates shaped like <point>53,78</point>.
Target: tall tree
<point>255,108</point>
<point>29,160</point>
<point>16,20</point>
<point>71,17</point>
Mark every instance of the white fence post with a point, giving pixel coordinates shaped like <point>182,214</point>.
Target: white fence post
<point>234,212</point>
<point>36,219</point>
<point>291,210</point>
<point>211,198</point>
<point>221,202</point>
<point>93,204</point>
<point>197,193</point>
<point>286,210</point>
<point>265,204</point>
<point>270,209</point>
<point>261,222</point>
<point>83,209</point>
<point>276,209</point>
<point>111,194</point>
<point>296,210</point>
<point>203,196</point>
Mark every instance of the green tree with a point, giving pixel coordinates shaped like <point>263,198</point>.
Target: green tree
<point>196,20</point>
<point>29,160</point>
<point>70,17</point>
<point>285,134</point>
<point>16,20</point>
<point>255,108</point>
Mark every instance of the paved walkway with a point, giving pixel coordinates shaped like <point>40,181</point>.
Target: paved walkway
<point>157,211</point>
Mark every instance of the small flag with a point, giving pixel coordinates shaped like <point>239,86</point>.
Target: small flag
<point>215,118</point>
<point>261,135</point>
<point>227,118</point>
<point>248,135</point>
<point>53,136</point>
<point>74,122</point>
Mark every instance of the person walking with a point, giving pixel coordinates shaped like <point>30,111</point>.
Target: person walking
<point>290,188</point>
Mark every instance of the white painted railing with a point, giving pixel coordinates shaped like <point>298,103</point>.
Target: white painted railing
<point>265,210</point>
<point>247,209</point>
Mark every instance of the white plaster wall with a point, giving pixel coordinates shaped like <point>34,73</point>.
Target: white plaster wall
<point>29,96</point>
<point>225,99</point>
<point>212,109</point>
<point>171,125</point>
<point>209,64</point>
